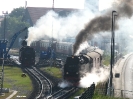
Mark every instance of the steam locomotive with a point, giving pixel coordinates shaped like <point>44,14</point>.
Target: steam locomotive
<point>26,55</point>
<point>77,66</point>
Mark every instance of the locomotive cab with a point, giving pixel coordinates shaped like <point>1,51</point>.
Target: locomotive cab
<point>71,70</point>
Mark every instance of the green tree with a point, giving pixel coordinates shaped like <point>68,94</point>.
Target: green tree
<point>13,24</point>
<point>17,12</point>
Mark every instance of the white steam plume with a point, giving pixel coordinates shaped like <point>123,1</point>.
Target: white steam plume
<point>64,84</point>
<point>123,35</point>
<point>96,76</point>
<point>52,25</point>
<point>82,47</point>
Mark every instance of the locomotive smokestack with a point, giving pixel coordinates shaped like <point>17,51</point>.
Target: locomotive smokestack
<point>24,43</point>
<point>102,23</point>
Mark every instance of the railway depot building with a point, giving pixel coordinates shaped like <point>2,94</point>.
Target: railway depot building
<point>32,14</point>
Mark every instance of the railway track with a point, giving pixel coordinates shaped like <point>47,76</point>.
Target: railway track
<point>63,93</point>
<point>45,86</point>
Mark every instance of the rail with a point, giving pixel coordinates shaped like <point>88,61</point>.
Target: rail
<point>63,93</point>
<point>45,86</point>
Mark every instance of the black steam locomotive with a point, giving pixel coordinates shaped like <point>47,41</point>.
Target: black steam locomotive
<point>77,66</point>
<point>26,55</point>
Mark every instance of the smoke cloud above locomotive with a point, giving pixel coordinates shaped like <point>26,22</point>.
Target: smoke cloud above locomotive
<point>103,23</point>
<point>53,25</point>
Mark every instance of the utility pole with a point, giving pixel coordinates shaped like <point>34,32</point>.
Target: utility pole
<point>110,87</point>
<point>25,4</point>
<point>52,23</point>
<point>5,14</point>
<point>3,42</point>
<point>51,59</point>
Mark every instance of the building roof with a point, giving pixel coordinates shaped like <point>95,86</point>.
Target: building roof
<point>34,13</point>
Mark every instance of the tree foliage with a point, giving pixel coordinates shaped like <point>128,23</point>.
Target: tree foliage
<point>13,23</point>
<point>17,12</point>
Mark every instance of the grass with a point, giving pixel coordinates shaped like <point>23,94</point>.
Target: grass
<point>97,96</point>
<point>13,75</point>
<point>13,79</point>
<point>106,60</point>
<point>79,92</point>
<point>56,72</point>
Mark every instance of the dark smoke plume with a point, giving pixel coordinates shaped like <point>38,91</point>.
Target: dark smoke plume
<point>95,25</point>
<point>103,23</point>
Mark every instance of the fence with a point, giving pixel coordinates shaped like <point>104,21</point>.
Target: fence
<point>88,94</point>
<point>101,88</point>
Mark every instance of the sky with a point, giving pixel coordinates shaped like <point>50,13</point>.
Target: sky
<point>105,4</point>
<point>9,5</point>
